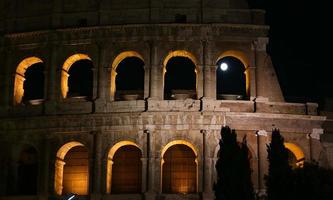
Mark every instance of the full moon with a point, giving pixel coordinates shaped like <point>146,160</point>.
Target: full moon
<point>224,66</point>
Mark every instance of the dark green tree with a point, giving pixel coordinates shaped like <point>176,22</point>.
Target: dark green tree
<point>247,190</point>
<point>233,169</point>
<point>279,179</point>
<point>312,182</point>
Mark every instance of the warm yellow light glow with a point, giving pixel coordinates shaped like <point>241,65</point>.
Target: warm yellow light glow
<point>109,163</point>
<point>170,144</point>
<point>115,63</point>
<point>166,147</point>
<point>59,165</point>
<point>20,77</point>
<point>65,68</point>
<point>297,151</point>
<point>242,57</point>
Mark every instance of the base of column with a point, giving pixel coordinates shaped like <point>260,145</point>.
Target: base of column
<point>208,196</point>
<point>100,106</point>
<point>149,196</point>
<point>95,197</point>
<point>50,107</point>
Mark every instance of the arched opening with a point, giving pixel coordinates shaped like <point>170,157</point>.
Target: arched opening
<point>130,79</point>
<point>180,76</point>
<point>126,170</point>
<point>29,81</point>
<point>296,156</point>
<point>72,169</point>
<point>179,170</point>
<point>27,171</point>
<point>126,156</point>
<point>77,77</point>
<point>230,79</point>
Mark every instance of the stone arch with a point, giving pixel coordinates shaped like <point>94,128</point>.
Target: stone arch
<point>27,159</point>
<point>243,59</point>
<point>65,69</point>
<point>297,152</point>
<point>193,150</point>
<point>110,157</point>
<point>119,58</point>
<point>184,54</point>
<point>20,77</point>
<point>60,163</point>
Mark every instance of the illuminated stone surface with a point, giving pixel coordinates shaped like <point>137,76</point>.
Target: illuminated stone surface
<point>155,32</point>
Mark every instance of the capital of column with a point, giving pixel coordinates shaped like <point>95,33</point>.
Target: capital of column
<point>260,44</point>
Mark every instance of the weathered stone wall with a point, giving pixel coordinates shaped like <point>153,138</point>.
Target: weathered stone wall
<point>40,15</point>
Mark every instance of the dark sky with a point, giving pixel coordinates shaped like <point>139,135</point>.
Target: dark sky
<point>298,36</point>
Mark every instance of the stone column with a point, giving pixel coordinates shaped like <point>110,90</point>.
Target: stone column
<point>156,75</point>
<point>267,85</point>
<point>262,141</point>
<point>150,183</point>
<point>97,165</point>
<point>7,80</point>
<point>207,170</point>
<point>146,82</point>
<point>44,170</point>
<point>156,86</point>
<point>52,81</point>
<point>252,74</point>
<point>144,174</point>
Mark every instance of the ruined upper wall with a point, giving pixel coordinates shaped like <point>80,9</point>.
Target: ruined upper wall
<point>30,15</point>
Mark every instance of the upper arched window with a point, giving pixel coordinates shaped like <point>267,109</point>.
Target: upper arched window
<point>29,81</point>
<point>130,79</point>
<point>230,79</point>
<point>180,76</point>
<point>77,77</point>
<point>127,76</point>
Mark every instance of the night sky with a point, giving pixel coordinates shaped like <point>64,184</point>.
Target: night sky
<point>298,35</point>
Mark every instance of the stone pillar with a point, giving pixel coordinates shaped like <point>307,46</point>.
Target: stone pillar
<point>156,86</point>
<point>252,74</point>
<point>207,170</point>
<point>210,81</point>
<point>7,81</point>
<point>144,174</point>
<point>146,82</point>
<point>44,171</point>
<point>103,85</point>
<point>267,85</point>
<point>97,165</point>
<point>52,82</point>
<point>262,141</point>
<point>150,174</point>
<point>156,75</point>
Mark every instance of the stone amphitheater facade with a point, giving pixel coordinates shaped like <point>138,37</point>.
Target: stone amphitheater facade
<point>60,33</point>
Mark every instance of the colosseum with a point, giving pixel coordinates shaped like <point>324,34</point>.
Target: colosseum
<point>115,99</point>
